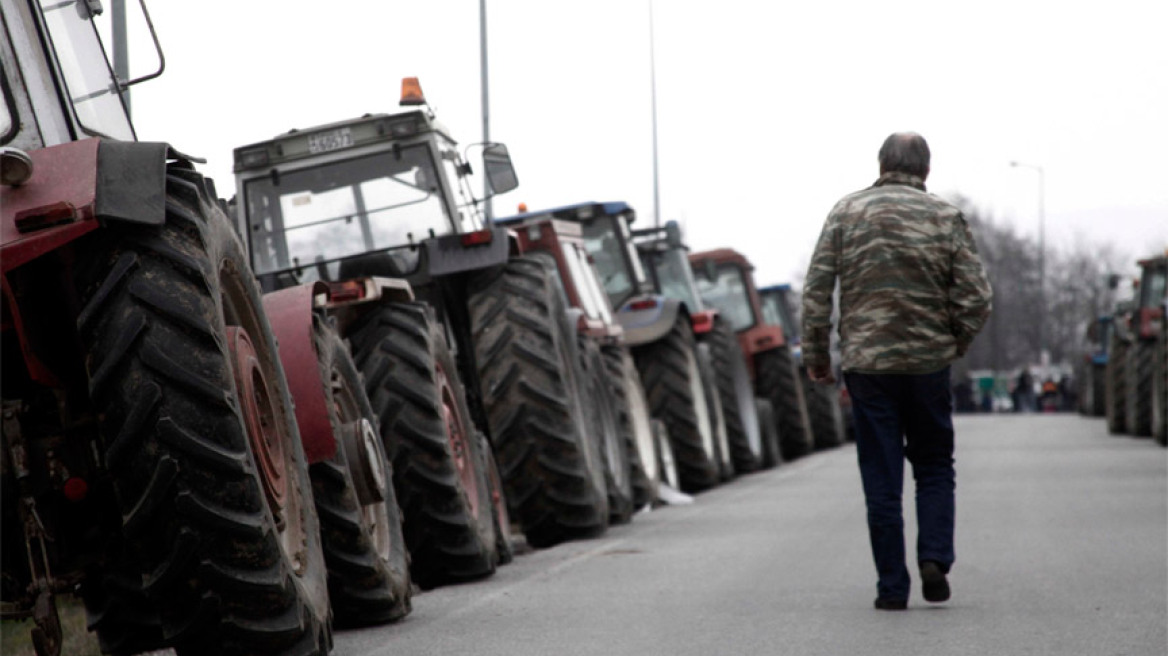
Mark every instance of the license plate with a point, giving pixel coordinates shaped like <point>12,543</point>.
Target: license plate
<point>333,139</point>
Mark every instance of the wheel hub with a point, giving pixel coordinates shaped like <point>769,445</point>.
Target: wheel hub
<point>456,433</point>
<point>260,419</point>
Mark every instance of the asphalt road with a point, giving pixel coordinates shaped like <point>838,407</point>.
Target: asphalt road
<point>1062,548</point>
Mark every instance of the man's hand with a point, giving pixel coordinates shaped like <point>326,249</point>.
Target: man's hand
<point>821,375</point>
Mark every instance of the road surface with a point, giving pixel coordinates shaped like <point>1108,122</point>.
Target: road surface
<point>1062,548</point>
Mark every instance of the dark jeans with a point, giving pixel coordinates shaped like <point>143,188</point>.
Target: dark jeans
<point>899,416</point>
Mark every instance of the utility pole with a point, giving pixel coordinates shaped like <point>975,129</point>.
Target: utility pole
<point>486,101</point>
<point>653,95</point>
<point>120,46</point>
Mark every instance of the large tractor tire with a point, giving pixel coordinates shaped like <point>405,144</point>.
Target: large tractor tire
<point>777,380</point>
<point>714,402</point>
<point>771,451</point>
<point>439,473</point>
<point>634,423</point>
<point>1160,391</point>
<point>198,434</point>
<point>534,394</point>
<point>674,389</point>
<point>618,476</point>
<point>823,409</point>
<point>1138,387</point>
<point>736,392</point>
<point>360,522</point>
<point>1116,390</point>
<point>1093,401</point>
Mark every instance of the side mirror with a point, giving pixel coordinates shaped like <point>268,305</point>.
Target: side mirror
<point>497,165</point>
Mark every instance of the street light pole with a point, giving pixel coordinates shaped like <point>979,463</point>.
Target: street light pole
<point>653,97</point>
<point>1041,253</point>
<point>486,101</point>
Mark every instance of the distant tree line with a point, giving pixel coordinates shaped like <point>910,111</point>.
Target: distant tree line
<point>1076,285</point>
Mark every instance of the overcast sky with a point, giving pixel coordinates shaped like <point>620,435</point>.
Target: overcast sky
<point>768,112</point>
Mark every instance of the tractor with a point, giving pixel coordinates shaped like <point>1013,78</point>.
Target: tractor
<point>674,368</point>
<point>752,445</point>
<point>619,395</point>
<point>726,281</point>
<point>152,461</point>
<point>487,346</point>
<point>827,405</point>
<point>1146,358</point>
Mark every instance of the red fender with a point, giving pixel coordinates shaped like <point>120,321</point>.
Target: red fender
<point>758,338</point>
<point>290,313</point>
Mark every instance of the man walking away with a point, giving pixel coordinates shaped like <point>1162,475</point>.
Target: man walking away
<point>913,294</point>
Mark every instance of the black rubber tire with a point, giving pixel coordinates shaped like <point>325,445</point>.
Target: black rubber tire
<point>666,462</point>
<point>1116,389</point>
<point>772,454</point>
<point>1095,389</point>
<point>1138,387</point>
<point>533,391</point>
<point>777,380</point>
<point>157,302</point>
<point>614,452</point>
<point>1160,391</point>
<point>827,421</point>
<point>402,352</point>
<point>669,370</point>
<point>633,423</point>
<point>124,619</point>
<point>368,564</point>
<point>736,392</point>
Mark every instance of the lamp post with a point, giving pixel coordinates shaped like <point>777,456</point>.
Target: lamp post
<point>486,101</point>
<point>1041,253</point>
<point>653,97</point>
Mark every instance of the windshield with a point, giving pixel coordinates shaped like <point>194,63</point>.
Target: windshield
<point>727,294</point>
<point>355,206</point>
<point>673,276</point>
<point>776,312</point>
<point>88,79</point>
<point>616,273</point>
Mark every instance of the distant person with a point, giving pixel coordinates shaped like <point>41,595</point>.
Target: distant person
<point>913,294</point>
<point>1025,391</point>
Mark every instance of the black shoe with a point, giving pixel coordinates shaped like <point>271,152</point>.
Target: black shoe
<point>891,604</point>
<point>934,585</point>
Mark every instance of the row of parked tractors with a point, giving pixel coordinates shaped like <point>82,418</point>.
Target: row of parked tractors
<point>1124,374</point>
<point>229,427</point>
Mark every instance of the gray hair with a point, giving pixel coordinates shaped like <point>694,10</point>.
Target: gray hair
<point>905,152</point>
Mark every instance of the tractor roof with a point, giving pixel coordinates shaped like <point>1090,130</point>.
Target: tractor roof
<point>782,287</point>
<point>342,135</point>
<point>577,212</point>
<point>723,256</point>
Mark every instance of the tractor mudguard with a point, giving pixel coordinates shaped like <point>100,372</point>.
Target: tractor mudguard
<point>648,318</point>
<point>472,251</point>
<point>757,339</point>
<point>74,183</point>
<point>290,311</point>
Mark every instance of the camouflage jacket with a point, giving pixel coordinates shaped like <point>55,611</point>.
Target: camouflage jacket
<point>913,293</point>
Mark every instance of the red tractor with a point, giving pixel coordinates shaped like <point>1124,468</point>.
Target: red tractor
<point>726,282</point>
<point>1145,369</point>
<point>618,390</point>
<point>660,331</point>
<point>152,461</point>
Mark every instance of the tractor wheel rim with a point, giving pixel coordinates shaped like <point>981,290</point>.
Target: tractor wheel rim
<point>498,501</point>
<point>371,468</point>
<point>255,401</point>
<point>456,434</point>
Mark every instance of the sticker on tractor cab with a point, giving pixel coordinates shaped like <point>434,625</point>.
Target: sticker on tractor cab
<point>333,139</point>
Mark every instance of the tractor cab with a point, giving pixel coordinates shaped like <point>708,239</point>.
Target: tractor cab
<point>1152,296</point>
<point>561,245</point>
<point>374,187</point>
<point>58,86</point>
<point>665,257</point>
<point>777,309</point>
